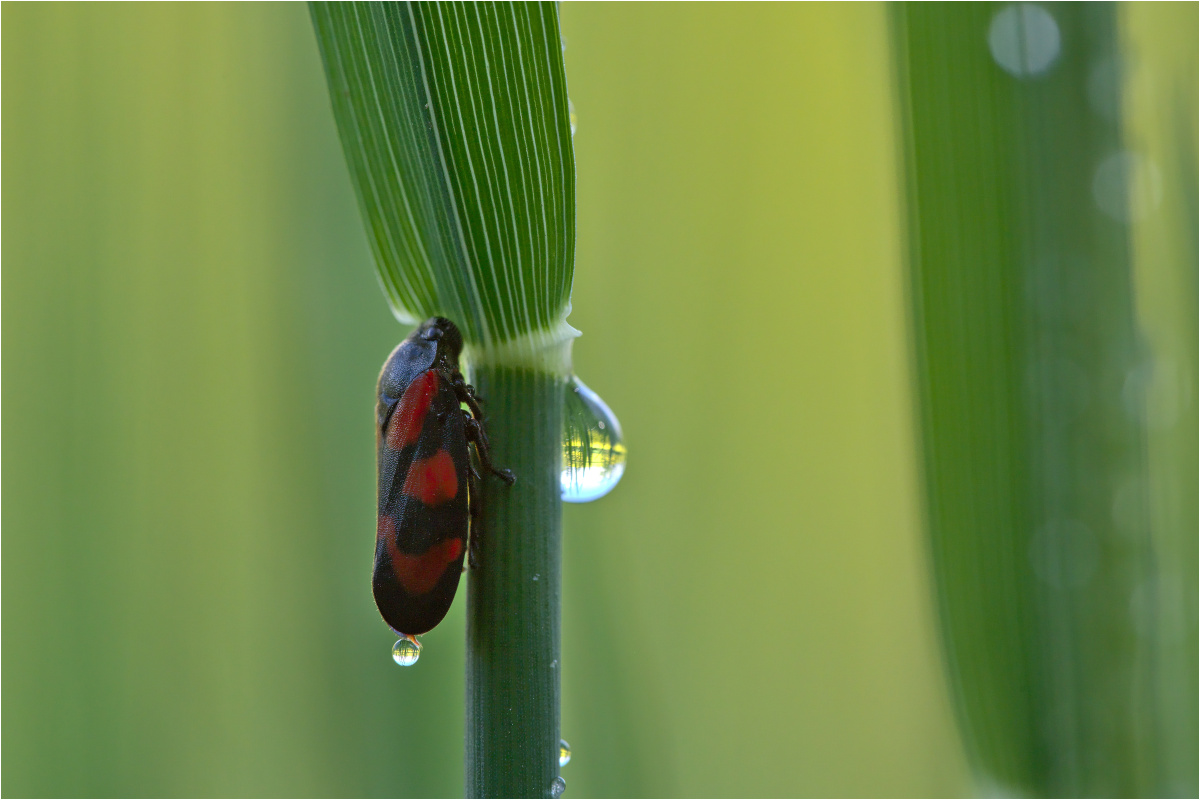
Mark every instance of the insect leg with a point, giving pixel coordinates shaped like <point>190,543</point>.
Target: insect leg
<point>475,434</point>
<point>474,531</point>
<point>465,392</point>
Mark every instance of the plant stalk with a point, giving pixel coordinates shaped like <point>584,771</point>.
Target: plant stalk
<point>1028,354</point>
<point>514,591</point>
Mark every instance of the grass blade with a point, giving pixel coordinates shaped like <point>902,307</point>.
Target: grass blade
<point>1028,345</point>
<point>455,125</point>
<point>454,121</point>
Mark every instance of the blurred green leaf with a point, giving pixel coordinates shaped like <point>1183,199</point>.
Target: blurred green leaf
<point>455,125</point>
<point>1031,366</point>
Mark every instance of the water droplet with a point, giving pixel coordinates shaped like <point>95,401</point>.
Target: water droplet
<point>1024,39</point>
<point>557,787</point>
<point>406,651</point>
<point>571,115</point>
<point>593,451</point>
<point>564,753</point>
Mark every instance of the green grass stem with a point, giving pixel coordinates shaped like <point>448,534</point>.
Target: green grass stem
<point>454,121</point>
<point>514,593</point>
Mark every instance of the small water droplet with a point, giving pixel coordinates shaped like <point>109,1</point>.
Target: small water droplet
<point>406,651</point>
<point>564,753</point>
<point>558,787</point>
<point>571,115</point>
<point>593,451</point>
<point>1024,39</point>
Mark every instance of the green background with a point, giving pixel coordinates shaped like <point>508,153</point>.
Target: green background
<point>191,333</point>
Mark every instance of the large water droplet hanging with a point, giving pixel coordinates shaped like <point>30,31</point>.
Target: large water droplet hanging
<point>406,651</point>
<point>557,787</point>
<point>564,753</point>
<point>593,451</point>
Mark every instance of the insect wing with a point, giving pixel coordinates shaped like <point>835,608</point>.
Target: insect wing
<point>410,360</point>
<point>423,510</point>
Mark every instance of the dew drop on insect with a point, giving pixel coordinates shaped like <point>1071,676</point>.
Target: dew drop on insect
<point>593,451</point>
<point>557,787</point>
<point>405,652</point>
<point>564,753</point>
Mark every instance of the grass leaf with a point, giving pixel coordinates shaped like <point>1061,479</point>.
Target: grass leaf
<point>1030,356</point>
<point>455,125</point>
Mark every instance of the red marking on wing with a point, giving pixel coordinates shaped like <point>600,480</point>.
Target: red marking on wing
<point>432,480</point>
<point>405,424</point>
<point>419,574</point>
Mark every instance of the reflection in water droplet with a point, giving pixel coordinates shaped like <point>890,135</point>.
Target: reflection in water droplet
<point>1024,39</point>
<point>406,651</point>
<point>564,753</point>
<point>558,787</point>
<point>1127,186</point>
<point>593,451</point>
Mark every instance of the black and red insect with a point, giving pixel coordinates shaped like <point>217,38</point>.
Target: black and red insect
<point>426,478</point>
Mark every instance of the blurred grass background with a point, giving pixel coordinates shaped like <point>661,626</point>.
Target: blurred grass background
<point>1061,582</point>
<point>192,331</point>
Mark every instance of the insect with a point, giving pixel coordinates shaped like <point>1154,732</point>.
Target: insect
<point>426,478</point>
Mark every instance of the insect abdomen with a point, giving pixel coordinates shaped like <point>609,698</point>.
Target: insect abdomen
<point>423,509</point>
